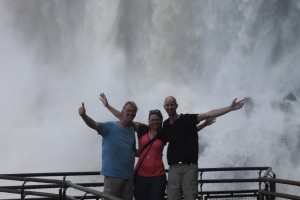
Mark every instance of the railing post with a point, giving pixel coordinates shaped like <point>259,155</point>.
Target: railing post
<point>83,197</point>
<point>64,189</point>
<point>22,191</point>
<point>201,185</point>
<point>267,189</point>
<point>273,187</point>
<point>60,194</point>
<point>64,192</point>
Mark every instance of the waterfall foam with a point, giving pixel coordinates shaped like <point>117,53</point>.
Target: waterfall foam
<point>56,54</point>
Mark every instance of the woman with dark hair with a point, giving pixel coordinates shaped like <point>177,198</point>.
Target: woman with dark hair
<point>150,180</point>
<point>150,175</point>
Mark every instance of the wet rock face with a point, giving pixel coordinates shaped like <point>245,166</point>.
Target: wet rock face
<point>286,103</point>
<point>290,97</point>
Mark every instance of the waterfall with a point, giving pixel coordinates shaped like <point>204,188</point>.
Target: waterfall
<point>57,54</point>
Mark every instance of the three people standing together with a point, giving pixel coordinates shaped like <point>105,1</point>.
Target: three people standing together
<point>180,131</point>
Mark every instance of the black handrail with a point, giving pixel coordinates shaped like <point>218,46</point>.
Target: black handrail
<point>202,181</point>
<point>272,193</point>
<point>268,178</point>
<point>55,184</point>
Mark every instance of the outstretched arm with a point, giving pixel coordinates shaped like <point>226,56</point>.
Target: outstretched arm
<point>235,105</point>
<point>114,111</point>
<point>207,122</point>
<point>89,121</point>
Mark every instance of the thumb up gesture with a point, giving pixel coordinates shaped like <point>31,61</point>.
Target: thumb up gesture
<point>81,110</point>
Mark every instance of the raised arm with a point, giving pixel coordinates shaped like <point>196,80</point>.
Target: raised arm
<point>89,121</point>
<point>235,105</point>
<point>114,111</point>
<point>207,122</point>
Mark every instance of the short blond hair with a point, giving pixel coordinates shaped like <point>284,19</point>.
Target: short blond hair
<point>132,103</point>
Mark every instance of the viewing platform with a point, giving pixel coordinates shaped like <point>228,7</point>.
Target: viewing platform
<point>214,183</point>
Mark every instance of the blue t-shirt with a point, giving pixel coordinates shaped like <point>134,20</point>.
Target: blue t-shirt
<point>118,146</point>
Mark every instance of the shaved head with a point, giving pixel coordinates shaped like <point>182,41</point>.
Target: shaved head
<point>170,105</point>
<point>170,99</point>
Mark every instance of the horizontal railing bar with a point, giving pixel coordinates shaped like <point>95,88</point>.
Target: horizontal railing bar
<point>282,195</point>
<point>39,198</point>
<point>38,180</point>
<point>91,191</point>
<point>91,173</point>
<point>282,181</point>
<point>49,198</point>
<point>233,169</point>
<point>45,186</point>
<point>55,174</point>
<point>53,181</point>
<point>48,186</point>
<point>67,183</point>
<point>43,194</point>
<point>231,196</point>
<point>248,180</point>
<point>31,187</point>
<point>228,191</point>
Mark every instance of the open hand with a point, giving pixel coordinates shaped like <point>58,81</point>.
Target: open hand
<point>104,99</point>
<point>235,105</point>
<point>210,121</point>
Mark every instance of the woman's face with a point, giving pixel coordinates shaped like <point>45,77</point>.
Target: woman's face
<point>155,122</point>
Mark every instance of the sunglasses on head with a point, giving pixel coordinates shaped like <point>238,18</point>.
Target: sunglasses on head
<point>156,111</point>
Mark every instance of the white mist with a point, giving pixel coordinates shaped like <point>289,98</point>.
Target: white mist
<point>56,54</point>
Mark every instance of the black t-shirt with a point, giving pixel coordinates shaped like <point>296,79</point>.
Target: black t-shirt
<point>183,139</point>
<point>142,130</point>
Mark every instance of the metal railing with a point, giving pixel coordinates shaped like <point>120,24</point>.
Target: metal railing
<point>272,194</point>
<point>245,192</point>
<point>61,185</point>
<point>227,183</point>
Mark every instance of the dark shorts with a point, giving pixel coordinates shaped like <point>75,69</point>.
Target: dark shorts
<point>150,188</point>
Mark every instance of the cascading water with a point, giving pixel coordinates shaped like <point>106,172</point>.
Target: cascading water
<point>56,54</point>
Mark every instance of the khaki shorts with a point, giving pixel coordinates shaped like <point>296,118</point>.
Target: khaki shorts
<point>182,181</point>
<point>117,187</point>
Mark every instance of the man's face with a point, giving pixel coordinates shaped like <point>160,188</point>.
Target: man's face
<point>170,106</point>
<point>129,113</point>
